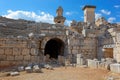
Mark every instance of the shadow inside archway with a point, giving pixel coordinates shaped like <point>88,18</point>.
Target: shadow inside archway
<point>54,47</point>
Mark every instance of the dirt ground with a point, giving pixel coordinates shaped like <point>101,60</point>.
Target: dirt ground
<point>71,73</point>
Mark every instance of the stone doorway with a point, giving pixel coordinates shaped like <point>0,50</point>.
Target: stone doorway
<point>54,48</point>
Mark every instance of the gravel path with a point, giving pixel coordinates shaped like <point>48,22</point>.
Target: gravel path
<point>71,73</point>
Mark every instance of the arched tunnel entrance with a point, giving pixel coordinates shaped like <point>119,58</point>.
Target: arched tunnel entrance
<point>54,47</point>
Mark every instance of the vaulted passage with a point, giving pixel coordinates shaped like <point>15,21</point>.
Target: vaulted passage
<point>54,47</point>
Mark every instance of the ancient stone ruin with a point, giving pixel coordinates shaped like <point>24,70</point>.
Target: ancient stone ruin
<point>90,42</point>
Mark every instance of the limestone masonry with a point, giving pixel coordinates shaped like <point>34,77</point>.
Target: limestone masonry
<point>23,42</point>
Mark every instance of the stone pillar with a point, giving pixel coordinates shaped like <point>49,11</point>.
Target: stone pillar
<point>79,60</point>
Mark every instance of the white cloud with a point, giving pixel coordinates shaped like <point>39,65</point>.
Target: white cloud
<point>19,14</point>
<point>105,12</point>
<point>111,19</point>
<point>67,22</point>
<point>117,6</point>
<point>98,15</point>
<point>29,15</point>
<point>68,13</point>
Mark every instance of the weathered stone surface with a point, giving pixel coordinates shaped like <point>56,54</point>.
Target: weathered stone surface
<point>34,51</point>
<point>28,69</point>
<point>16,51</point>
<point>34,58</point>
<point>27,57</point>
<point>61,59</point>
<point>21,68</point>
<point>47,66</point>
<point>93,63</point>
<point>118,57</point>
<point>115,67</point>
<point>25,62</point>
<point>14,73</point>
<point>25,51</point>
<point>37,69</point>
<point>79,59</point>
<point>3,57</point>
<point>8,51</point>
<point>75,51</point>
<point>46,58</point>
<point>10,58</point>
<point>19,57</point>
<point>2,51</point>
<point>4,63</point>
<point>102,65</point>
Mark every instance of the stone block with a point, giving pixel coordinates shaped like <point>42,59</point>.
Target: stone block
<point>34,51</point>
<point>47,66</point>
<point>25,51</point>
<point>28,69</point>
<point>103,60</point>
<point>118,57</point>
<point>37,69</point>
<point>93,64</point>
<point>27,57</point>
<point>25,63</point>
<point>14,73</point>
<point>75,51</point>
<point>69,50</point>
<point>102,65</point>
<point>15,63</point>
<point>2,42</point>
<point>78,55</point>
<point>10,58</point>
<point>115,67</point>
<point>16,51</point>
<point>19,57</point>
<point>74,47</point>
<point>2,51</point>
<point>5,63</point>
<point>34,58</point>
<point>80,61</point>
<point>21,68</point>
<point>8,51</point>
<point>3,57</point>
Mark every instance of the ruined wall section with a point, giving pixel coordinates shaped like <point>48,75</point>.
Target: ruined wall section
<point>116,50</point>
<point>18,52</point>
<point>87,46</point>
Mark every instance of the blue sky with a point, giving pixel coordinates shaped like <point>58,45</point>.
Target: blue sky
<point>45,10</point>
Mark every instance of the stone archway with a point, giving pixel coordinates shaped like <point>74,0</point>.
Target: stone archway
<point>54,47</point>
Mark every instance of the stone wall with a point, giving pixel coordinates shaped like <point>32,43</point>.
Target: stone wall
<point>116,53</point>
<point>19,52</point>
<point>85,46</point>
